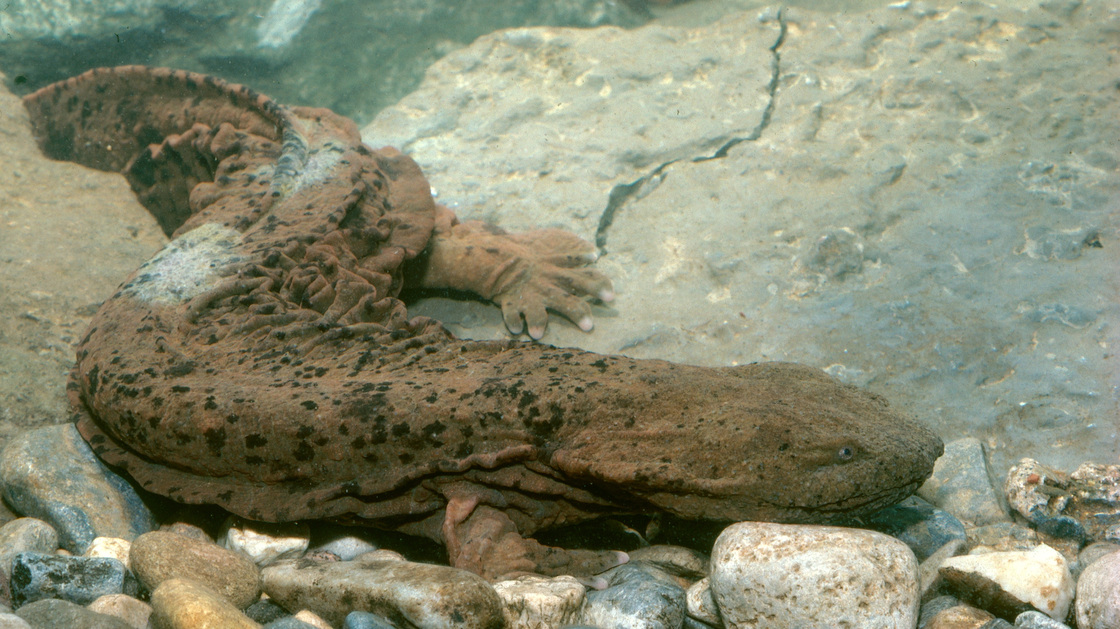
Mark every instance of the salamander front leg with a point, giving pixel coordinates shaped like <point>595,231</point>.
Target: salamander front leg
<point>526,274</point>
<point>485,541</point>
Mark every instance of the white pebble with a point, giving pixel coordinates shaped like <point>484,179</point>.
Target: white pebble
<point>767,575</point>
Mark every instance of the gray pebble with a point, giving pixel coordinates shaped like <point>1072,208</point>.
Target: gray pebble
<point>1038,620</point>
<point>288,623</point>
<point>50,473</point>
<point>923,527</point>
<point>960,484</point>
<point>265,611</point>
<point>38,576</point>
<point>366,620</point>
<point>53,613</point>
<point>637,597</point>
<point>11,621</point>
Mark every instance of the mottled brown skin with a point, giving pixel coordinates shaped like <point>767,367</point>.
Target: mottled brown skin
<point>262,362</point>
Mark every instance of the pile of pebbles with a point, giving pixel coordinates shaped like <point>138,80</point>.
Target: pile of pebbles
<point>91,552</point>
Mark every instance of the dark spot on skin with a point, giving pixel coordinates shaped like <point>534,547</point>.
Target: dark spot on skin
<point>304,452</point>
<point>255,441</point>
<point>215,440</point>
<point>180,389</point>
<point>405,458</point>
<point>179,370</point>
<point>401,429</point>
<point>309,405</point>
<point>304,431</point>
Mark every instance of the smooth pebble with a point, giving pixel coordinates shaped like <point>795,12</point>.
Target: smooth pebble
<point>265,543</point>
<point>767,575</point>
<point>50,473</point>
<point>185,604</point>
<point>1012,582</point>
<point>81,580</point>
<point>158,556</point>
<point>423,594</point>
<point>1098,594</point>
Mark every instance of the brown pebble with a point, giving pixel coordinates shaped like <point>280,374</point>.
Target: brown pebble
<point>186,604</point>
<point>159,556</point>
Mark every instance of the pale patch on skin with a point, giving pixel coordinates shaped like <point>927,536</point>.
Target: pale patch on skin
<point>187,266</point>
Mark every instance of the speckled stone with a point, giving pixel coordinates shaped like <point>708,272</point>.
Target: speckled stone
<point>11,621</point>
<point>25,535</point>
<point>159,556</point>
<point>185,604</point>
<point>637,596</point>
<point>770,576</point>
<point>423,594</point>
<point>54,613</point>
<point>50,473</point>
<point>129,609</point>
<point>1098,594</point>
<point>81,580</point>
<point>959,616</point>
<point>536,601</point>
<point>1009,583</point>
<point>701,605</point>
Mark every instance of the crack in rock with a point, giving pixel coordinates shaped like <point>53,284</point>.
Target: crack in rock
<point>624,193</point>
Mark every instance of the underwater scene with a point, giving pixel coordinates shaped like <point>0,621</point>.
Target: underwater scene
<point>560,314</point>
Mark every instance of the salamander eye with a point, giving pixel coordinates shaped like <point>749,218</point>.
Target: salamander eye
<point>845,454</point>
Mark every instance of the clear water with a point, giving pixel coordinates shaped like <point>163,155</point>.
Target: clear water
<point>972,280</point>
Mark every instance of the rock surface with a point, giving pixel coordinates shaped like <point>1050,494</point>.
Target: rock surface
<point>159,556</point>
<point>637,596</point>
<point>25,535</point>
<point>51,473</point>
<point>915,198</point>
<point>1012,582</point>
<point>427,596</point>
<point>264,543</point>
<point>960,483</point>
<point>54,613</point>
<point>185,604</point>
<point>775,575</point>
<point>1098,594</point>
<point>534,601</point>
<point>80,580</point>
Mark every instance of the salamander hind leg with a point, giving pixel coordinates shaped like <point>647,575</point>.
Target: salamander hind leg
<point>488,543</point>
<point>526,274</point>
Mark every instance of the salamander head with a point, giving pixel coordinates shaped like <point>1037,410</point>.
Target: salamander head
<point>771,441</point>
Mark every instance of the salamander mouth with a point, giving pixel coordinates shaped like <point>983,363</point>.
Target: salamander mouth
<point>856,507</point>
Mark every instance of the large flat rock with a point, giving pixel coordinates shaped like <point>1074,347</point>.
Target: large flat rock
<point>68,236</point>
<point>922,201</point>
